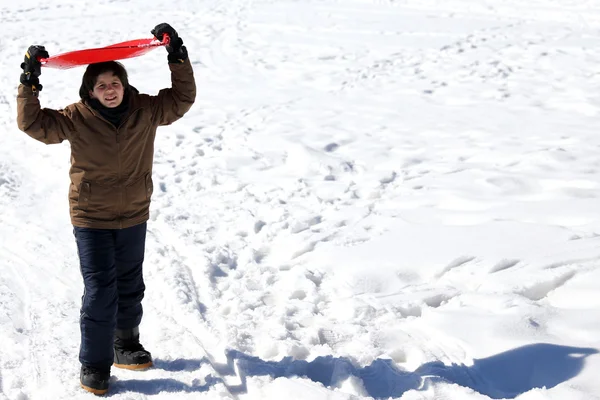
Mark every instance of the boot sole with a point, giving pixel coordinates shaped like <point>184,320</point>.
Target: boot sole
<point>97,392</point>
<point>134,367</point>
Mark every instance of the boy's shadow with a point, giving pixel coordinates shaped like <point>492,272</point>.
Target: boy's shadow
<point>156,386</point>
<point>504,375</point>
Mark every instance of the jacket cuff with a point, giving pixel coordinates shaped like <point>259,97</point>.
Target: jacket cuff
<point>178,57</point>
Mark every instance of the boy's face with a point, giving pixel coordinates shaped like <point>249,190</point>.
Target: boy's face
<point>108,90</point>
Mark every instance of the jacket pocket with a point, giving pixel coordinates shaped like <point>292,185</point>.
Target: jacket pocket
<point>85,192</point>
<point>137,197</point>
<point>149,186</point>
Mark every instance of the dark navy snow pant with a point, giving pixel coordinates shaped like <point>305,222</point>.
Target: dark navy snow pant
<point>111,265</point>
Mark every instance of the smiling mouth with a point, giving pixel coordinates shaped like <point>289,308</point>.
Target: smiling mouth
<point>111,98</point>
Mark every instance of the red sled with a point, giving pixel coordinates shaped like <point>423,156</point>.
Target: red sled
<point>117,51</point>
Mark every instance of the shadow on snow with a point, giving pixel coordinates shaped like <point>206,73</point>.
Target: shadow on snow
<point>505,375</point>
<point>156,386</point>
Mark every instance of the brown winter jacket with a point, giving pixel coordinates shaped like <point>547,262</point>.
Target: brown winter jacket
<point>111,168</point>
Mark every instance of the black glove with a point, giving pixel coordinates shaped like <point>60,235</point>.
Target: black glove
<point>175,48</point>
<point>32,67</point>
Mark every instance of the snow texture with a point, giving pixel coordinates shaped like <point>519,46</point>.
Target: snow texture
<point>369,199</point>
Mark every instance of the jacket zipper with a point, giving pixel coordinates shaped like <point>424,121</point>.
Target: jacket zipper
<point>120,213</point>
<point>121,202</point>
<point>121,192</point>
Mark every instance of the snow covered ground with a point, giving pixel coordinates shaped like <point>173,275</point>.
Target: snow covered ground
<point>369,199</point>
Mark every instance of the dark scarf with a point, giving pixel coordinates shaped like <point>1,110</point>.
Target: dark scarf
<point>114,115</point>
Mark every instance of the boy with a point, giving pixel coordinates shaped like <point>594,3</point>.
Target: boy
<point>111,131</point>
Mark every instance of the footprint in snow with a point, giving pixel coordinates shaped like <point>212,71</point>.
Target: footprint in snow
<point>331,147</point>
<point>438,300</point>
<point>504,265</point>
<point>540,290</point>
<point>458,262</point>
<point>180,138</point>
<point>258,225</point>
<point>300,226</point>
<point>9,184</point>
<point>387,179</point>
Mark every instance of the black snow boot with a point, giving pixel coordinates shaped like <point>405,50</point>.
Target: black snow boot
<point>94,380</point>
<point>129,353</point>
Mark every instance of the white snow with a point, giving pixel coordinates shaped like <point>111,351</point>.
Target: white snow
<point>369,199</point>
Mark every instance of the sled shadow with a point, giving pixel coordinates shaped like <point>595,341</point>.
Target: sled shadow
<point>505,375</point>
<point>514,372</point>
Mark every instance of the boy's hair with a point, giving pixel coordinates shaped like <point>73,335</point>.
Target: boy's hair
<point>94,70</point>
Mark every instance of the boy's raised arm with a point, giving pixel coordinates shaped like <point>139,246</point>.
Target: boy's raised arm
<point>172,103</point>
<point>46,125</point>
